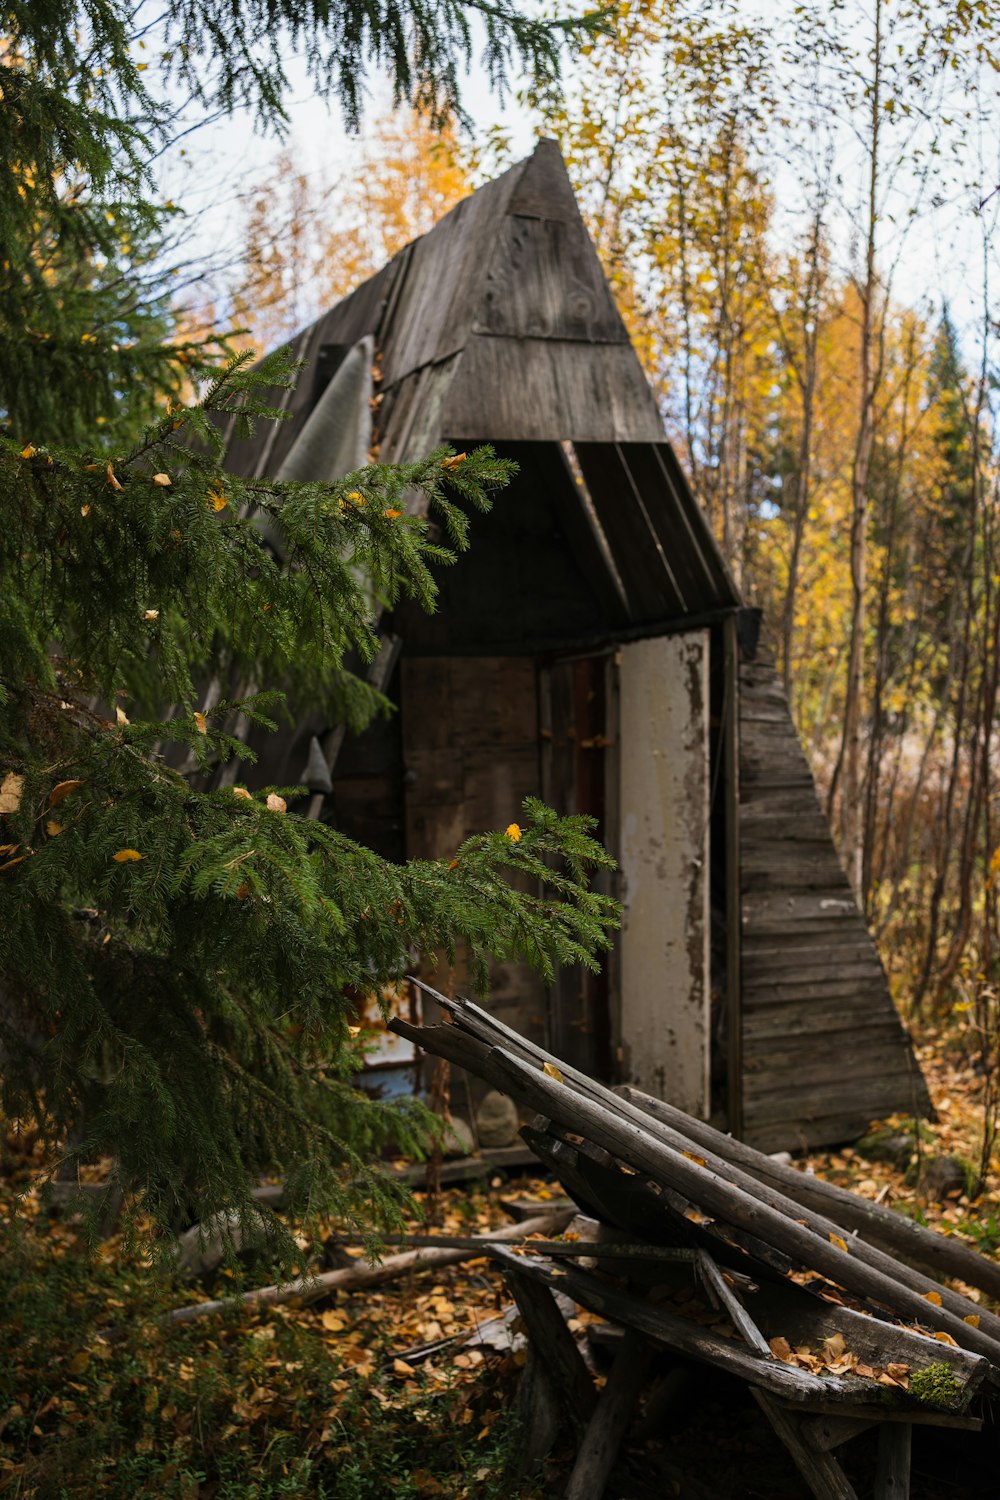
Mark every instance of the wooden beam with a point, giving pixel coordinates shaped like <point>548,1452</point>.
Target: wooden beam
<point>820,1470</point>
<point>608,1425</point>
<point>892,1476</point>
<point>554,1345</point>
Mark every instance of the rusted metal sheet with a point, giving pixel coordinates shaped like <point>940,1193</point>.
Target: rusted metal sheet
<point>664,807</point>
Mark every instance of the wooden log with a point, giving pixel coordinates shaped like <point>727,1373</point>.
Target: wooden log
<point>892,1474</point>
<point>732,1195</point>
<point>304,1289</point>
<point>554,1345</point>
<point>820,1470</point>
<point>919,1246</point>
<point>607,1426</point>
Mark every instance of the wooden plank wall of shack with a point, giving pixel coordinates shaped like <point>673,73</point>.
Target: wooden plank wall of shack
<point>824,1052</point>
<point>499,326</point>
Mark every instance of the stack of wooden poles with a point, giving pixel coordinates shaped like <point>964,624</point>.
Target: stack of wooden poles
<point>828,1306</point>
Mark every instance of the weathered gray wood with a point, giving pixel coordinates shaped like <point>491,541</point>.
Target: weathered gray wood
<point>688,1338</point>
<point>806,949</point>
<point>656,1116</point>
<point>892,1475</point>
<point>724,1190</point>
<point>554,1345</point>
<point>820,1470</point>
<point>603,1437</point>
<point>715,1281</point>
<point>923,1248</point>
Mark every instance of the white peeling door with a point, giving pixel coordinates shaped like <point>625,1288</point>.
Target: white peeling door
<point>664,822</point>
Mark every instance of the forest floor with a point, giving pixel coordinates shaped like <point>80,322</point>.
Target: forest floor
<point>317,1401</point>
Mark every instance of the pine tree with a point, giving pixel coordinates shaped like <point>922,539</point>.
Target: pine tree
<point>175,963</point>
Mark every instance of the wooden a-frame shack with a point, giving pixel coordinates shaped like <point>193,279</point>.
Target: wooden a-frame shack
<point>592,649</point>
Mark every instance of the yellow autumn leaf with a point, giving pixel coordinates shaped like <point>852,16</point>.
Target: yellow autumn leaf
<point>513,832</point>
<point>10,792</point>
<point>151,614</point>
<point>85,510</point>
<point>217,499</point>
<point>125,856</point>
<point>946,1338</point>
<point>836,1240</point>
<point>28,451</point>
<point>112,480</point>
<point>454,461</point>
<point>357,497</point>
<point>972,1319</point>
<point>698,1160</point>
<point>52,828</point>
<point>332,1321</point>
<point>201,723</point>
<point>934,1297</point>
<point>10,863</point>
<point>241,791</point>
<point>8,849</point>
<point>552,1071</point>
<point>61,791</point>
<point>392,514</point>
<point>162,481</point>
<point>121,717</point>
<point>276,803</point>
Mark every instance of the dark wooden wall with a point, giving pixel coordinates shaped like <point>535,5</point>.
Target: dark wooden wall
<point>824,1052</point>
<point>471,756</point>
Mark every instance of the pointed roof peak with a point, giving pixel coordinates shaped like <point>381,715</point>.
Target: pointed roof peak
<point>543,190</point>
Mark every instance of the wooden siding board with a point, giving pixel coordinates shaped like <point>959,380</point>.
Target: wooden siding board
<point>824,1050</point>
<point>537,389</point>
<point>439,298</point>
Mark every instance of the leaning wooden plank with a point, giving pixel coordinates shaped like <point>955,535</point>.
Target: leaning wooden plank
<point>921,1247</point>
<point>730,1194</point>
<point>716,1283</point>
<point>820,1470</point>
<point>555,1346</point>
<point>892,1473</point>
<point>639,1124</point>
<point>603,1437</point>
<point>352,1278</point>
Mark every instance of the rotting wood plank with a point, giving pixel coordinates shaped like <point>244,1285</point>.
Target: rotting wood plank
<point>664,1327</point>
<point>615,1123</point>
<point>597,1452</point>
<point>936,1254</point>
<point>871,1099</point>
<point>554,1345</point>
